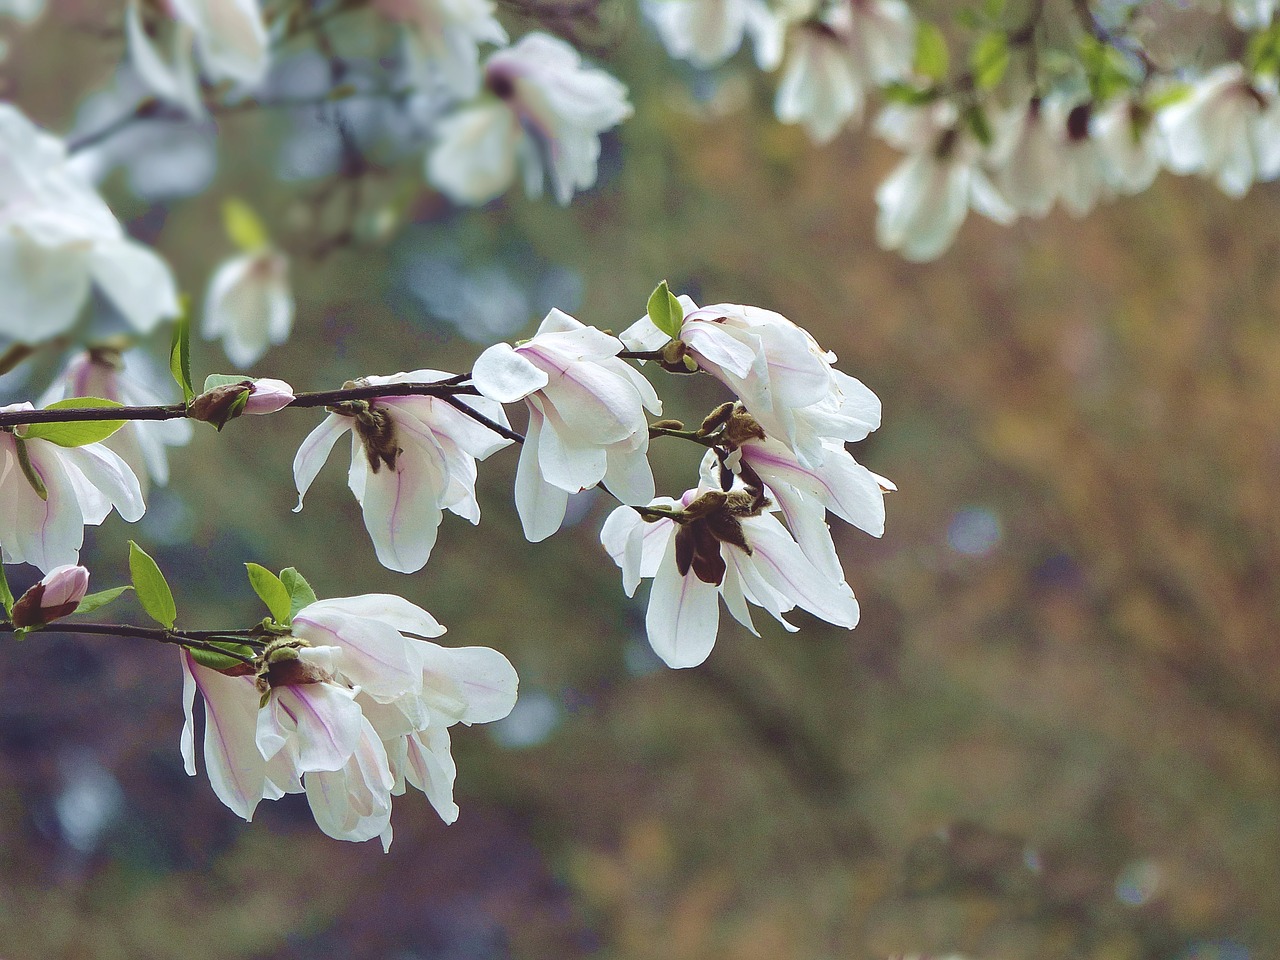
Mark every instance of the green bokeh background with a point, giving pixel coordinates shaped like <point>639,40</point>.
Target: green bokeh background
<point>1066,744</point>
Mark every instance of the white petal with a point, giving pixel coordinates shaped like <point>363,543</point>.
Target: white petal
<point>503,374</point>
<point>683,615</point>
<point>395,611</point>
<point>402,509</point>
<point>540,505</point>
<point>315,451</point>
<point>137,281</point>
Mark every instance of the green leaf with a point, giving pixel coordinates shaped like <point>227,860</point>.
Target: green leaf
<point>244,227</point>
<point>153,590</point>
<point>217,661</point>
<point>76,433</point>
<point>932,59</point>
<point>273,593</point>
<point>1167,97</point>
<point>300,592</point>
<point>978,124</point>
<point>96,601</point>
<point>6,595</point>
<point>666,311</point>
<point>989,60</point>
<point>180,354</point>
<point>223,380</point>
<point>906,94</point>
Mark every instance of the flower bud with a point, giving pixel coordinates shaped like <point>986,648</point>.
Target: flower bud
<point>268,396</point>
<point>54,597</point>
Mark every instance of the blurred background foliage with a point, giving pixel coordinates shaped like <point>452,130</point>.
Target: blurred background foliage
<point>1055,734</point>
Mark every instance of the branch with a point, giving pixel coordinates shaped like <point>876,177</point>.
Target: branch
<point>194,640</point>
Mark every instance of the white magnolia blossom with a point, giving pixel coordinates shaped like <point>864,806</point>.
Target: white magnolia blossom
<point>684,609</point>
<point>805,494</point>
<point>776,368</point>
<point>1130,143</point>
<point>359,707</point>
<point>249,305</point>
<point>57,236</point>
<point>1027,158</point>
<point>543,113</point>
<point>708,32</point>
<point>1083,166</point>
<point>229,37</point>
<point>127,379</point>
<point>586,418</point>
<point>839,53</point>
<point>926,198</point>
<point>1227,129</point>
<point>443,37</point>
<point>80,486</point>
<point>411,458</point>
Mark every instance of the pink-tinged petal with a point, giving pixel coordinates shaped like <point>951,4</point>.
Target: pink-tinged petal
<point>778,562</point>
<point>187,743</point>
<point>540,505</point>
<point>268,396</point>
<point>432,770</point>
<point>375,657</point>
<point>628,474</point>
<point>392,610</point>
<point>402,511</point>
<point>735,600</point>
<point>595,404</point>
<point>564,460</point>
<point>108,473</point>
<point>806,519</point>
<point>736,352</point>
<point>486,679</point>
<point>315,451</point>
<point>46,533</point>
<point>798,373</point>
<point>354,802</point>
<point>503,374</point>
<point>469,434</point>
<point>236,769</point>
<point>321,722</point>
<point>683,615</point>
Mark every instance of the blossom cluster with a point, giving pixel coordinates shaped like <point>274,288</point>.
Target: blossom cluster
<point>351,707</point>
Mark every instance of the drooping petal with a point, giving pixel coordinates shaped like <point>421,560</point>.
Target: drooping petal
<point>683,615</point>
<point>402,510</point>
<point>540,505</point>
<point>236,769</point>
<point>315,450</point>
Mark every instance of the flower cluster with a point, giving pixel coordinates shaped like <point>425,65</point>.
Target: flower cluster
<point>353,705</point>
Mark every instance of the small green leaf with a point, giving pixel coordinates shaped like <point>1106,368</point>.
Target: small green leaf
<point>989,60</point>
<point>218,661</point>
<point>273,593</point>
<point>6,595</point>
<point>1167,97</point>
<point>300,592</point>
<point>911,96</point>
<point>932,58</point>
<point>180,354</point>
<point>666,311</point>
<point>96,601</point>
<point>244,227</point>
<point>223,379</point>
<point>153,590</point>
<point>75,433</point>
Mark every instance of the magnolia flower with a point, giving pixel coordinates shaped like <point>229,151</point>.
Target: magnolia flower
<point>50,492</point>
<point>543,112</point>
<point>1027,159</point>
<point>708,32</point>
<point>229,36</point>
<point>836,55</point>
<point>1129,142</point>
<point>926,198</point>
<point>586,418</point>
<point>804,494</point>
<point>1082,166</point>
<point>411,458</point>
<point>249,305</point>
<point>57,235</point>
<point>1227,128</point>
<point>125,378</point>
<point>55,596</point>
<point>778,371</point>
<point>357,704</point>
<point>724,546</point>
<point>443,38</point>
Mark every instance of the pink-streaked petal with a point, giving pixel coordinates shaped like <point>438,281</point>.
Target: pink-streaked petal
<point>402,511</point>
<point>503,374</point>
<point>323,723</point>
<point>375,657</point>
<point>395,611</point>
<point>540,505</point>
<point>432,770</point>
<point>315,451</point>
<point>778,561</point>
<point>236,769</point>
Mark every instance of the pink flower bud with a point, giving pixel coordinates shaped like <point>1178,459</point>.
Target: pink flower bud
<point>268,396</point>
<point>56,596</point>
